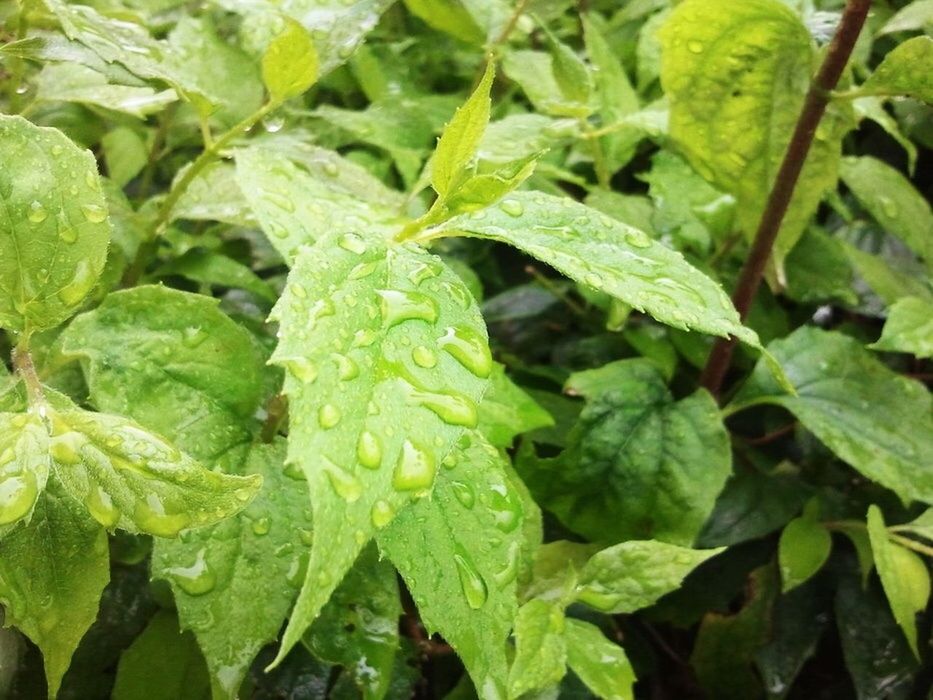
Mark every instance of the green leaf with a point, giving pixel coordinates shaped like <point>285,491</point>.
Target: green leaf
<point>873,108</point>
<point>210,268</point>
<point>905,71</point>
<point>540,647</point>
<point>358,628</point>
<point>874,419</point>
<point>725,647</point>
<point>448,16</point>
<point>165,357</point>
<point>460,552</point>
<point>290,63</point>
<point>893,201</point>
<point>802,550</point>
<point>687,208</point>
<point>52,573</point>
<point>457,146</point>
<point>818,270</point>
<point>72,82</point>
<point>536,73</point>
<point>125,153</point>
<point>909,328</point>
<point>215,195</point>
<point>570,72</point>
<point>876,654</point>
<point>134,480</point>
<point>24,466</point>
<point>904,577</point>
<point>914,15</point>
<point>600,664</point>
<point>163,663</point>
<point>887,281</point>
<point>607,255</point>
<point>298,201</point>
<point>734,104</point>
<point>386,358</point>
<point>54,236</point>
<point>640,465</point>
<point>217,572</point>
<point>614,92</point>
<point>633,575</point>
<point>507,411</point>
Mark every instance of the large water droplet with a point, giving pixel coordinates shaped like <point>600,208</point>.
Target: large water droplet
<point>505,508</point>
<point>301,368</point>
<point>451,408</point>
<point>637,239</point>
<point>424,357</point>
<point>353,243</point>
<point>261,526</point>
<point>415,468</point>
<point>151,517</point>
<point>82,283</point>
<point>329,416</point>
<point>464,493</point>
<point>100,506</point>
<point>398,306</point>
<point>196,579</point>
<point>509,572</point>
<point>18,493</point>
<point>422,272</point>
<point>382,514</point>
<point>347,369</point>
<point>474,588</point>
<point>469,348</point>
<point>345,484</point>
<point>37,213</point>
<point>512,207</point>
<point>694,46</point>
<point>94,213</point>
<point>369,450</point>
<point>193,336</point>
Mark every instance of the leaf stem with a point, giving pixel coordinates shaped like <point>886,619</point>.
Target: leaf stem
<point>818,96</point>
<point>910,544</point>
<point>509,26</point>
<point>23,364</point>
<point>180,186</point>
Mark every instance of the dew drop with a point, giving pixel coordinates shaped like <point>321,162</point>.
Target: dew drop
<point>415,468</point>
<point>196,579</point>
<point>353,243</point>
<point>347,369</point>
<point>474,588</point>
<point>301,368</point>
<point>398,306</point>
<point>94,213</point>
<point>345,484</point>
<point>328,416</point>
<point>82,283</point>
<point>261,527</point>
<point>18,493</point>
<point>331,169</point>
<point>193,336</point>
<point>298,570</point>
<point>636,238</point>
<point>424,357</point>
<point>423,272</point>
<point>464,493</point>
<point>505,508</point>
<point>37,213</point>
<point>469,348</point>
<point>695,46</point>
<point>100,506</point>
<point>382,514</point>
<point>512,207</point>
<point>151,517</point>
<point>298,290</point>
<point>369,450</point>
<point>452,408</point>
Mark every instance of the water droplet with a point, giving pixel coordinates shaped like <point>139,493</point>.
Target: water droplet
<point>512,207</point>
<point>362,270</point>
<point>369,450</point>
<point>293,471</point>
<point>451,408</point>
<point>331,169</point>
<point>450,461</point>
<point>510,571</point>
<point>328,416</point>
<point>382,514</point>
<point>306,537</point>
<point>474,588</point>
<point>301,368</point>
<point>423,272</point>
<point>888,206</point>
<point>345,484</point>
<point>636,238</point>
<point>82,283</point>
<point>415,468</point>
<point>364,337</point>
<point>398,306</point>
<point>242,495</point>
<point>464,493</point>
<point>505,508</point>
<point>18,493</point>
<point>66,449</point>
<point>298,290</point>
<point>37,213</point>
<point>352,243</point>
<point>196,579</point>
<point>695,46</point>
<point>151,517</point>
<point>273,124</point>
<point>94,213</point>
<point>469,348</point>
<point>298,570</point>
<point>261,526</point>
<point>424,357</point>
<point>92,180</point>
<point>193,336</point>
<point>347,369</point>
<point>100,506</point>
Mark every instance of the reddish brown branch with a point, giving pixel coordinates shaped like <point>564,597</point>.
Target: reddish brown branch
<point>818,96</point>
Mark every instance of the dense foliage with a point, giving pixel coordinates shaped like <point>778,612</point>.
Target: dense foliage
<point>353,348</point>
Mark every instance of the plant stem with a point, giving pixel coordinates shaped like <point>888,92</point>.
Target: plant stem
<point>22,363</point>
<point>911,544</point>
<point>180,186</point>
<point>818,96</point>
<point>509,26</point>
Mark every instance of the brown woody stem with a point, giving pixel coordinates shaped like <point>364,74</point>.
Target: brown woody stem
<point>818,96</point>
